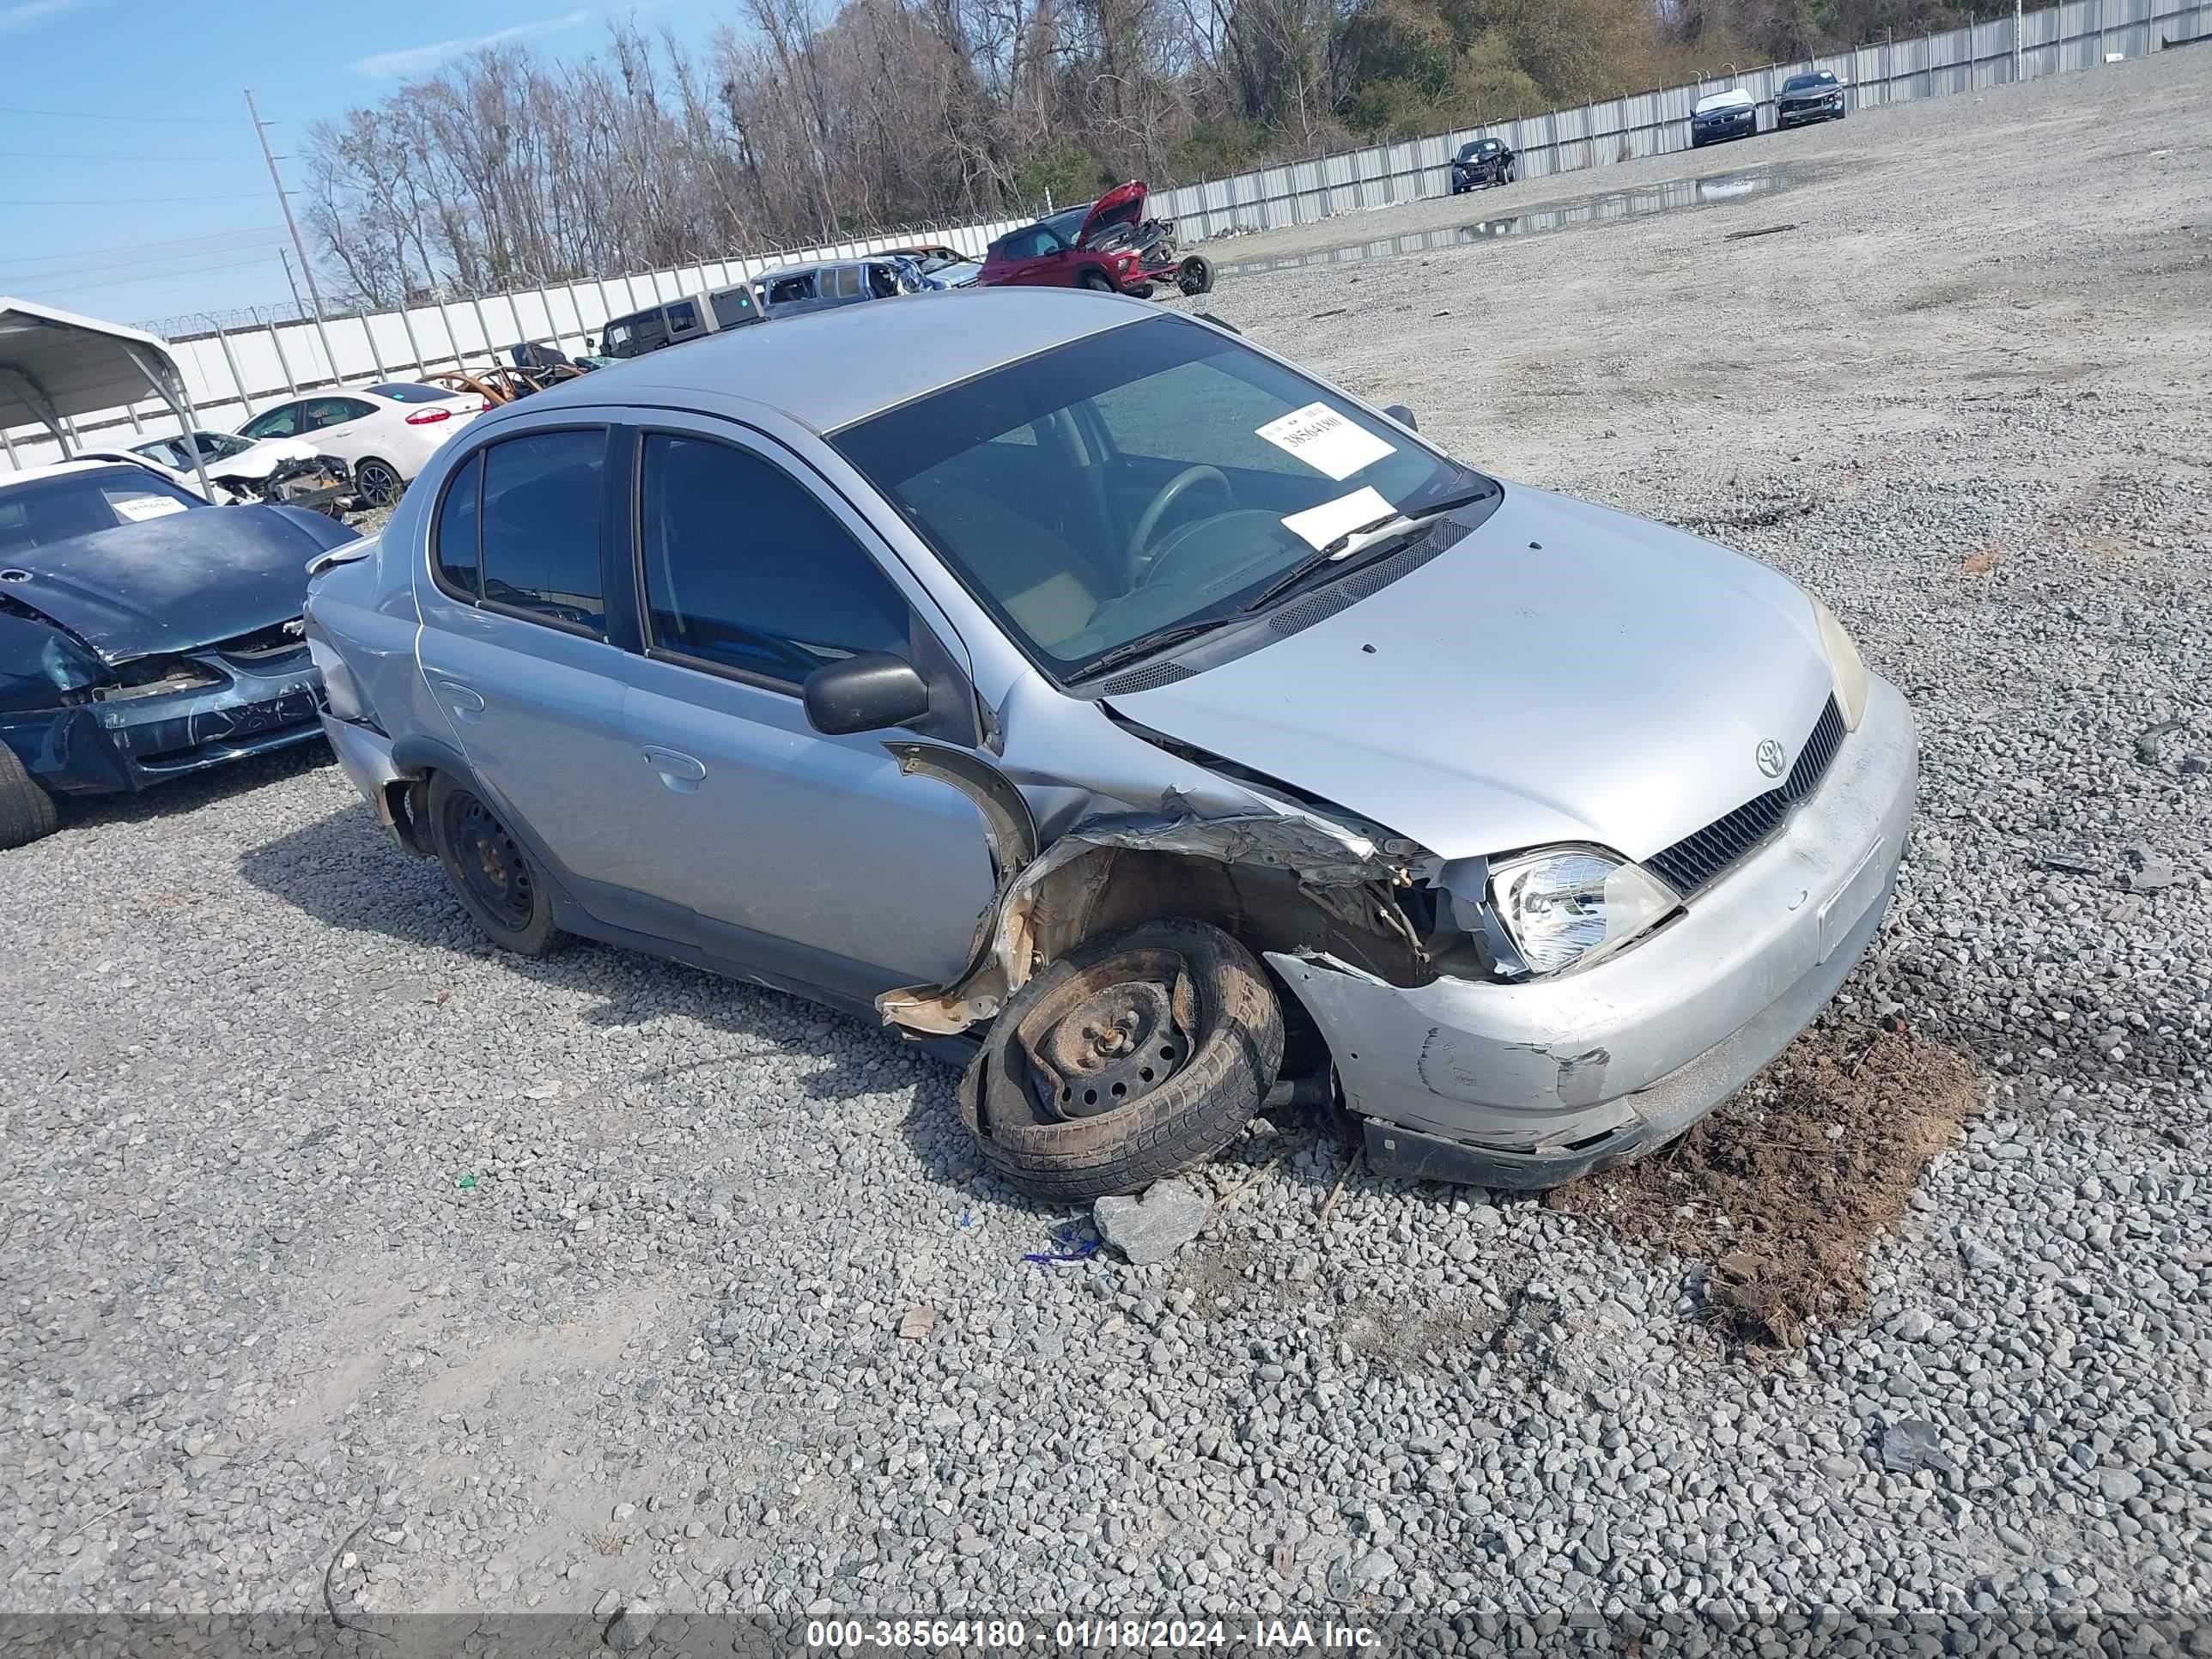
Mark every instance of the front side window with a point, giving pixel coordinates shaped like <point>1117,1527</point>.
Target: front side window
<point>744,569</point>
<point>1152,476</point>
<point>540,538</point>
<point>282,421</point>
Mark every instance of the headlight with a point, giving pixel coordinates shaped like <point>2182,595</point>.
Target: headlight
<point>1844,662</point>
<point>1573,905</point>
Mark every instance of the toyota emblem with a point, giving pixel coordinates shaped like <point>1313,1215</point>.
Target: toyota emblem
<point>1771,758</point>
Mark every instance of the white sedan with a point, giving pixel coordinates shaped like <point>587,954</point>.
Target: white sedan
<point>385,432</point>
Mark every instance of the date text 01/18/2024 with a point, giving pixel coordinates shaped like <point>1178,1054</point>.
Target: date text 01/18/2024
<point>1082,1635</point>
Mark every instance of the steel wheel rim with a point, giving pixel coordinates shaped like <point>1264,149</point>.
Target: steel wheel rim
<point>1113,1038</point>
<point>491,864</point>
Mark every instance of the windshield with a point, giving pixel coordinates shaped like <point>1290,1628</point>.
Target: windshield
<point>49,510</point>
<point>411,392</point>
<point>1154,474</point>
<point>1067,225</point>
<point>1479,147</point>
<point>219,446</point>
<point>1805,83</point>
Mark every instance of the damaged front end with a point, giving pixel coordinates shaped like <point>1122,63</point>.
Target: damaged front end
<point>1300,880</point>
<point>84,726</point>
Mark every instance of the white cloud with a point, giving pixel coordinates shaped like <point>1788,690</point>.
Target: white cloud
<point>413,60</point>
<point>15,17</point>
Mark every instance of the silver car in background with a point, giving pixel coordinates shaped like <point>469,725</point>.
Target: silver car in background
<point>1085,690</point>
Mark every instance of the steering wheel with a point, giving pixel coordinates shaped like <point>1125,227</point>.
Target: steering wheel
<point>1170,492</point>
<point>1222,529</point>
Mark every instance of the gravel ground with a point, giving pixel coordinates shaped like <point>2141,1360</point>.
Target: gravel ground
<point>344,1257</point>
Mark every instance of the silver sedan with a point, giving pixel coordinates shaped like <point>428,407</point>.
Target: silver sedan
<point>1150,725</point>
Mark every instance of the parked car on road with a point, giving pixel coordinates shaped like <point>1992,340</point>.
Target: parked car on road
<point>1816,96</point>
<point>1108,246</point>
<point>144,633</point>
<point>1481,161</point>
<point>386,434</point>
<point>795,290</point>
<point>281,472</point>
<point>1084,682</point>
<point>693,318</point>
<point>1725,115</point>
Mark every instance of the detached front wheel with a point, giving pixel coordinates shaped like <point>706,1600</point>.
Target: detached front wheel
<point>1194,276</point>
<point>1137,1055</point>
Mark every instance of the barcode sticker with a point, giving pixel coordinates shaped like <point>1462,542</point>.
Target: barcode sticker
<point>1326,441</point>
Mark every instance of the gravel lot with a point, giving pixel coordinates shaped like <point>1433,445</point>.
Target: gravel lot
<point>334,1243</point>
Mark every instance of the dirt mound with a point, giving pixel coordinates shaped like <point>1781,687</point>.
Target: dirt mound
<point>1786,1188</point>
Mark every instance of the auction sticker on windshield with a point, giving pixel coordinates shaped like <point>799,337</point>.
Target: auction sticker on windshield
<point>1325,440</point>
<point>1320,525</point>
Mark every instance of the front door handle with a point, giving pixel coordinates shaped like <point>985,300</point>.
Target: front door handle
<point>679,771</point>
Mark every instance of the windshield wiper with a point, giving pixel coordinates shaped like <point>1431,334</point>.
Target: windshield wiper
<point>1340,551</point>
<point>1146,644</point>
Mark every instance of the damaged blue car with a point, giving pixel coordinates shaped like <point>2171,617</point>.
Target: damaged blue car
<point>143,633</point>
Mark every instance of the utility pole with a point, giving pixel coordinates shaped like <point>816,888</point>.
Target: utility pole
<point>2017,9</point>
<point>287,259</point>
<point>284,201</point>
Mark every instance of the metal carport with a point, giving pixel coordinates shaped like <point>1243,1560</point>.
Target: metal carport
<point>55,366</point>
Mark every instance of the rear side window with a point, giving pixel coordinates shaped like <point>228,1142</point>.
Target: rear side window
<point>539,541</point>
<point>520,528</point>
<point>684,318</point>
<point>745,569</point>
<point>459,524</point>
<point>848,282</point>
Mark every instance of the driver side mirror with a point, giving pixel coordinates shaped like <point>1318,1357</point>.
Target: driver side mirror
<point>1403,415</point>
<point>871,692</point>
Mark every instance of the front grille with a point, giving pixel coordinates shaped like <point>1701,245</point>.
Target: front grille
<point>1698,860</point>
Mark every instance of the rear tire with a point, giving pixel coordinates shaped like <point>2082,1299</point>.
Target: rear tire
<point>27,811</point>
<point>1097,281</point>
<point>378,483</point>
<point>488,871</point>
<point>1137,1055</point>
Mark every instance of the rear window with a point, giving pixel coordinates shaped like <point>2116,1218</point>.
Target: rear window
<point>410,392</point>
<point>83,504</point>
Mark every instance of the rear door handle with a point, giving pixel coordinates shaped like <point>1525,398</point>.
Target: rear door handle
<point>465,701</point>
<point>679,771</point>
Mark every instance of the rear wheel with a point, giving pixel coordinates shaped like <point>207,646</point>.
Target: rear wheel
<point>1137,1055</point>
<point>1097,281</point>
<point>27,811</point>
<point>1194,276</point>
<point>377,482</point>
<point>489,872</point>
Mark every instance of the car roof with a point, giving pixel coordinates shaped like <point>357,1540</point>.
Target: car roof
<point>856,361</point>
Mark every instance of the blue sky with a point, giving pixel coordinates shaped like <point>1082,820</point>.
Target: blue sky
<point>111,110</point>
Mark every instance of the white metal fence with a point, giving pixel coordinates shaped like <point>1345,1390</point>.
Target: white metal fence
<point>233,373</point>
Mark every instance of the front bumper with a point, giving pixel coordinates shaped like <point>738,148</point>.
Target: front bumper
<point>1793,115</point>
<point>126,744</point>
<point>1532,1085</point>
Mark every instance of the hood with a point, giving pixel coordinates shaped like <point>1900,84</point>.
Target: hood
<point>1723,103</point>
<point>1610,684</point>
<point>177,583</point>
<point>262,458</point>
<point>1124,204</point>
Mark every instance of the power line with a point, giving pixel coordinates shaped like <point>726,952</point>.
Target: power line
<point>164,276</point>
<point>114,156</point>
<point>134,200</point>
<point>86,115</point>
<point>231,237</point>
